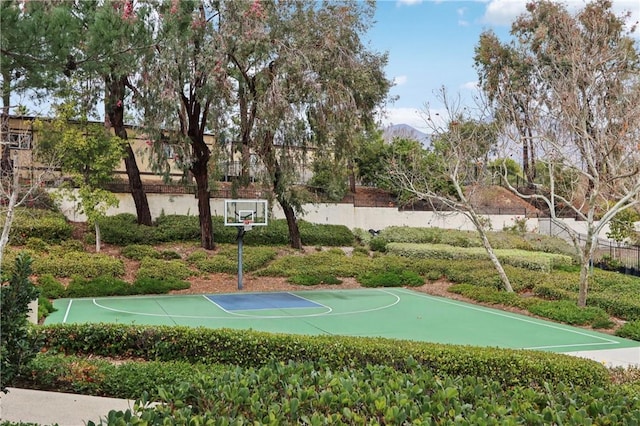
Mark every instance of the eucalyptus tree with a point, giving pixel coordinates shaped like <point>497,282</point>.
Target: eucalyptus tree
<point>450,174</point>
<point>585,76</point>
<point>184,91</point>
<point>304,79</point>
<point>505,74</point>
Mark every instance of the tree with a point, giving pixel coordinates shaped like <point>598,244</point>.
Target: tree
<point>115,35</point>
<point>585,77</point>
<point>506,77</point>
<point>183,92</point>
<point>35,42</point>
<point>449,175</point>
<point>88,154</point>
<point>304,79</point>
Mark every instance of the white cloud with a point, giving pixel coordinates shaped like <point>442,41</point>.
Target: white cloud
<point>399,80</point>
<point>408,2</point>
<point>463,23</point>
<point>503,12</point>
<point>414,117</point>
<point>470,85</point>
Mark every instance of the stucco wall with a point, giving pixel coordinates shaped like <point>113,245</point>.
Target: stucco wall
<point>338,214</point>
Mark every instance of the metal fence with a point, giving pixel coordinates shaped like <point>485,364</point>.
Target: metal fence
<point>609,254</point>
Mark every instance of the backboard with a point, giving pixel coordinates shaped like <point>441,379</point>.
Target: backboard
<point>245,213</point>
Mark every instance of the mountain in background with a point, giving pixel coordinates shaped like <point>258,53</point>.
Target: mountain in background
<point>406,132</point>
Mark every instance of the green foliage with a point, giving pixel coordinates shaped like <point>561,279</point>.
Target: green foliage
<point>123,230</point>
<point>255,349</point>
<point>569,312</point>
<point>378,243</point>
<point>17,342</point>
<point>537,261</point>
<point>85,265</point>
<point>313,279</point>
<point>50,287</point>
<point>225,260</point>
<point>329,177</point>
<point>51,227</point>
<point>297,392</point>
<point>45,307</point>
<point>159,269</point>
<point>630,330</point>
<point>37,245</point>
<point>325,235</point>
<point>391,278</point>
<point>489,295</point>
<point>109,286</point>
<point>140,251</point>
<point>622,226</point>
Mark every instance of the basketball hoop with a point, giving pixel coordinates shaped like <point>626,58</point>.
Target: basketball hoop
<point>248,224</point>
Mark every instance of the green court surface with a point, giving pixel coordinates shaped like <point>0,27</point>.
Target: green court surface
<point>393,313</point>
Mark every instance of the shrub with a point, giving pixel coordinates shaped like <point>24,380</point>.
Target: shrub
<point>45,307</point>
<point>123,229</point>
<point>378,244</point>
<point>177,228</point>
<point>390,278</point>
<point>313,279</point>
<point>50,288</point>
<point>325,235</point>
<point>163,269</point>
<point>97,287</point>
<point>37,245</point>
<point>17,344</point>
<point>148,285</point>
<point>630,330</point>
<point>490,295</point>
<point>51,227</point>
<point>88,265</point>
<point>248,348</point>
<point>226,259</point>
<point>139,251</point>
<point>569,312</point>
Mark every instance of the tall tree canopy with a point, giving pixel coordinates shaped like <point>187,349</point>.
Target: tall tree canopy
<point>584,77</point>
<point>279,77</point>
<point>304,79</point>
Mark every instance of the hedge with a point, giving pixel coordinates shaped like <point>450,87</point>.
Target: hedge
<point>536,261</point>
<point>254,349</point>
<point>47,225</point>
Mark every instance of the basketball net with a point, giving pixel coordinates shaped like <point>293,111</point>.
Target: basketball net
<point>248,224</point>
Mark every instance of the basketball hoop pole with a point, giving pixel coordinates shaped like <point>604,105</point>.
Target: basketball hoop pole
<point>241,232</point>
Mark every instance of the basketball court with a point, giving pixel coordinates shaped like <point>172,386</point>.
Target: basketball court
<point>391,313</point>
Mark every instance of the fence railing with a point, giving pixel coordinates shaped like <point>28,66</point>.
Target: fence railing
<point>608,254</point>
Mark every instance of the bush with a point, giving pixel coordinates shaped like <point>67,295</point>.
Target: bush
<point>147,285</point>
<point>49,226</point>
<point>378,244</point>
<point>390,278</point>
<point>569,312</point>
<point>37,245</point>
<point>97,287</point>
<point>630,330</point>
<point>226,259</point>
<point>248,348</point>
<point>50,288</point>
<point>176,270</point>
<point>87,265</point>
<point>325,235</point>
<point>140,251</point>
<point>17,342</point>
<point>313,279</point>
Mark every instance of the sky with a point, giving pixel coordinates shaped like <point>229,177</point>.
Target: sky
<point>431,45</point>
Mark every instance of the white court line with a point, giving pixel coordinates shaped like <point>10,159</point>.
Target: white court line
<point>518,318</point>
<point>66,313</point>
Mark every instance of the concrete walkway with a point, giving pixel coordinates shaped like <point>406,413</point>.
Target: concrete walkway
<point>48,408</point>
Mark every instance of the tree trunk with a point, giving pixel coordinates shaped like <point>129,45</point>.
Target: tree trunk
<point>292,224</point>
<point>585,265</point>
<point>201,176</point>
<point>114,117</point>
<point>352,177</point>
<point>98,236</point>
<point>506,284</point>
